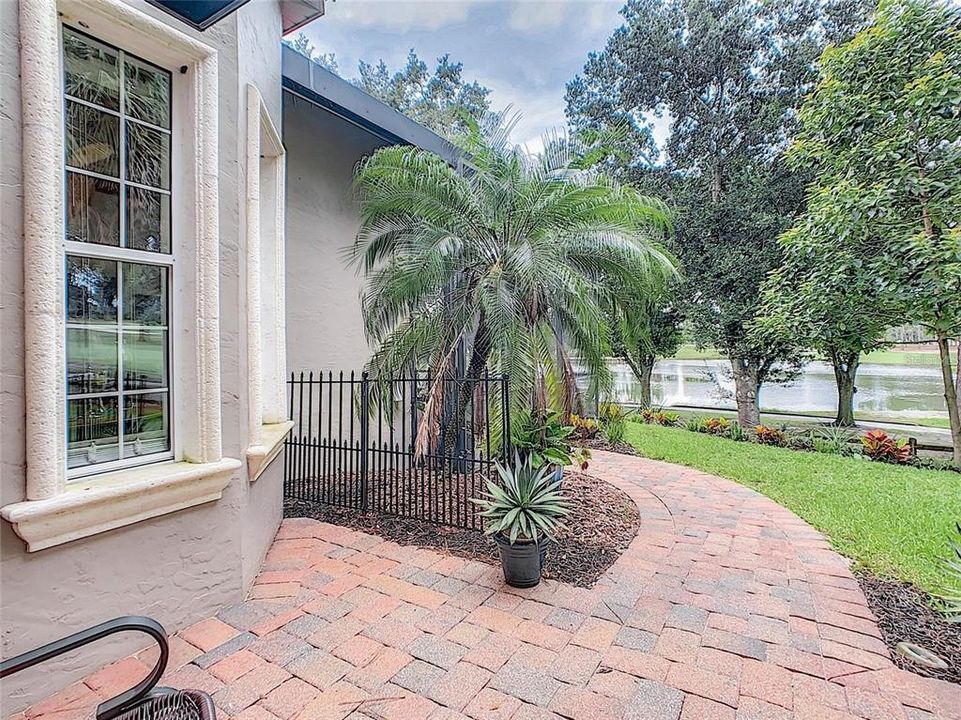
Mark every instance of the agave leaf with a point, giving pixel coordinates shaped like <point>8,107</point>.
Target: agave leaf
<point>920,656</point>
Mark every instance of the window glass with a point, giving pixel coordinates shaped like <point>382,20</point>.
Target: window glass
<point>145,424</point>
<point>90,70</point>
<point>91,360</point>
<point>144,359</point>
<point>91,290</point>
<point>148,156</point>
<point>93,140</point>
<point>144,295</point>
<point>148,92</point>
<point>148,220</point>
<point>117,195</point>
<point>93,431</point>
<point>93,210</point>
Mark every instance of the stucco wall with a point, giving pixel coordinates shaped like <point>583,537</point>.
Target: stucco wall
<point>177,568</point>
<point>325,329</point>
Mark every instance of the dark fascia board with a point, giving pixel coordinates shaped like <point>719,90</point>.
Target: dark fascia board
<point>199,14</point>
<point>297,13</point>
<point>303,77</point>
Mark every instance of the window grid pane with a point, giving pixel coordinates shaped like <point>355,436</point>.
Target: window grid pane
<point>117,128</point>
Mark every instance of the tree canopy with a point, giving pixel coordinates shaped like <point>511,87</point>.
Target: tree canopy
<point>437,99</point>
<point>881,135</point>
<point>510,261</point>
<point>728,76</point>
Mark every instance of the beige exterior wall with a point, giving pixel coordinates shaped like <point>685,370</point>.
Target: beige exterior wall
<point>179,567</point>
<point>325,329</point>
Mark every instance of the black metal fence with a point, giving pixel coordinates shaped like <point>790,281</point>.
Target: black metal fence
<point>411,447</point>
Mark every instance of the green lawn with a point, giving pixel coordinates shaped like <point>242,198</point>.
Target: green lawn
<point>894,521</point>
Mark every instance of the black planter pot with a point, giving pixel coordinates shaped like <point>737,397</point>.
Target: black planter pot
<point>521,561</point>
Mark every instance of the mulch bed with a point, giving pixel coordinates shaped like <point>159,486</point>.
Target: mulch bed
<point>904,615</point>
<point>602,523</point>
<point>600,443</point>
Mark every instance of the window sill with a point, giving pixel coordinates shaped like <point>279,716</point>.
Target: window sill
<point>271,441</point>
<point>105,502</point>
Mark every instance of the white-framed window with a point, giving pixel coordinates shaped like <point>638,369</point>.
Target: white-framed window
<point>141,274</point>
<point>119,256</point>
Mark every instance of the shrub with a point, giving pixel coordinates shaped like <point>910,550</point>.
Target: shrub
<point>951,599</point>
<point>585,428</point>
<point>935,463</point>
<point>667,418</point>
<point>831,441</point>
<point>614,430</point>
<point>544,439</point>
<point>649,415</point>
<point>880,446</point>
<point>613,422</point>
<point>694,425</point>
<point>826,447</point>
<point>717,425</point>
<point>738,434</point>
<point>770,436</point>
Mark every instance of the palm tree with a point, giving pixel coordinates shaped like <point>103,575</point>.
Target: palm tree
<point>509,259</point>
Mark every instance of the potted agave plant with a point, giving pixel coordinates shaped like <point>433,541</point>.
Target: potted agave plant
<point>522,513</point>
<point>546,442</point>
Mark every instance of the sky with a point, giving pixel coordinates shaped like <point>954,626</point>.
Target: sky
<point>524,50</point>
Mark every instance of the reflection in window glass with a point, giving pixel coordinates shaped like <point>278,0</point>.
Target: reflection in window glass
<point>144,359</point>
<point>145,424</point>
<point>148,156</point>
<point>144,294</point>
<point>148,92</point>
<point>148,220</point>
<point>93,140</point>
<point>91,360</point>
<point>91,290</point>
<point>92,431</point>
<point>90,70</point>
<point>93,210</point>
<point>110,336</point>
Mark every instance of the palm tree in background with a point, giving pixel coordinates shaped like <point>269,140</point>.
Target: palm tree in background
<point>509,259</point>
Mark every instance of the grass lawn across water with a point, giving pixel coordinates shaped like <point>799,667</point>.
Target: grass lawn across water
<point>895,521</point>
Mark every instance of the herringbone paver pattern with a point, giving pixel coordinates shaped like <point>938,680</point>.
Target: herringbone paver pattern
<point>725,606</point>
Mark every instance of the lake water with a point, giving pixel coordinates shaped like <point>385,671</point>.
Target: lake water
<point>883,389</point>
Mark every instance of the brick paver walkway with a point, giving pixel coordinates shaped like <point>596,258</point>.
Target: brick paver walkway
<point>725,606</point>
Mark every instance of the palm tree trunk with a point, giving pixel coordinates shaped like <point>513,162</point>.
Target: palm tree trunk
<point>480,353</point>
<point>845,373</point>
<point>950,394</point>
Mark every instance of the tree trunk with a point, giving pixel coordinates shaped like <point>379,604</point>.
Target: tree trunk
<point>950,394</point>
<point>647,370</point>
<point>643,369</point>
<point>480,353</point>
<point>957,377</point>
<point>845,374</point>
<point>746,388</point>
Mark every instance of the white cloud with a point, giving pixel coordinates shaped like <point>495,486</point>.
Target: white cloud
<point>538,113</point>
<point>603,16</point>
<point>399,14</point>
<point>529,16</point>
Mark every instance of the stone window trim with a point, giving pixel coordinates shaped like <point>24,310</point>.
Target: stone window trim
<point>54,510</point>
<point>268,425</point>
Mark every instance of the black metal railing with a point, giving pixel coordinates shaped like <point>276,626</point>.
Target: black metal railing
<point>414,446</point>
